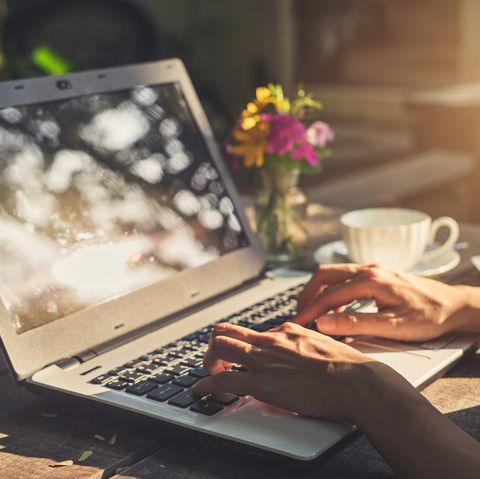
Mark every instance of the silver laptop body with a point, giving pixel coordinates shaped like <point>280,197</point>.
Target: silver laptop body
<point>122,236</point>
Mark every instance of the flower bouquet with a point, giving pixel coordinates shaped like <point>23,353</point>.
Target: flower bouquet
<point>276,138</point>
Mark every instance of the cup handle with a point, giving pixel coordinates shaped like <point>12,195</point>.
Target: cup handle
<point>452,225</point>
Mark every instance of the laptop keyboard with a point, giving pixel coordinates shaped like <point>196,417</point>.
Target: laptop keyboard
<point>166,374</point>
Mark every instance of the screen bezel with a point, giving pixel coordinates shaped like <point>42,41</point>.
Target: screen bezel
<point>83,330</point>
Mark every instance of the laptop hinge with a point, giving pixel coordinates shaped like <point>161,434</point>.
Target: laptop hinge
<point>68,363</point>
<point>74,361</point>
<point>85,355</point>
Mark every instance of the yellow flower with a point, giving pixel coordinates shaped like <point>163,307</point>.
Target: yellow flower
<point>252,144</point>
<point>251,115</point>
<point>252,108</point>
<point>273,94</point>
<point>249,122</point>
<point>264,95</point>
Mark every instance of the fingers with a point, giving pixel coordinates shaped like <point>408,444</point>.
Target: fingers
<point>342,294</point>
<point>224,351</point>
<point>326,275</point>
<point>231,344</point>
<point>240,333</point>
<point>227,382</point>
<point>384,325</point>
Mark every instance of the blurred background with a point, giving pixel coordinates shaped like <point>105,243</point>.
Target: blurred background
<point>399,79</point>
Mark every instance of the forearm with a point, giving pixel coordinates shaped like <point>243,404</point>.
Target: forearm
<point>413,437</point>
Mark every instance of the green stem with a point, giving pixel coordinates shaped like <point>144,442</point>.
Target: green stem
<point>275,215</point>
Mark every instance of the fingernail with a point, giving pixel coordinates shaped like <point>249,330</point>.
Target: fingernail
<point>326,323</point>
<point>219,327</point>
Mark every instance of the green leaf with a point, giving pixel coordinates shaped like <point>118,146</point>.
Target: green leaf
<point>85,455</point>
<point>287,106</point>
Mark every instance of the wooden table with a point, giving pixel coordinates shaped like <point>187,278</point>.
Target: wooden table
<point>36,435</point>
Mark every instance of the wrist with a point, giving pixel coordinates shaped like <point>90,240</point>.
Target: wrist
<point>408,431</point>
<point>378,391</point>
<point>466,316</point>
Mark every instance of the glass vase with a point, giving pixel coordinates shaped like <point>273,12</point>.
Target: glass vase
<point>280,214</point>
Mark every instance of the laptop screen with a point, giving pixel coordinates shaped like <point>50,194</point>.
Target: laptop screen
<point>104,194</point>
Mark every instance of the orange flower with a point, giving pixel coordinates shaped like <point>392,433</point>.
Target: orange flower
<point>252,144</point>
<point>250,116</point>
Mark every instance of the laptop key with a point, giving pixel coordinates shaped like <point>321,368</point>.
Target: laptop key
<point>177,369</point>
<point>131,376</point>
<point>183,351</point>
<point>171,358</point>
<point>147,368</point>
<point>224,399</point>
<point>117,371</point>
<point>165,392</point>
<point>192,362</point>
<point>117,385</point>
<point>194,345</point>
<point>199,373</point>
<point>191,347</point>
<point>262,327</point>
<point>190,337</point>
<point>277,321</point>
<point>100,379</point>
<point>184,399</point>
<point>208,408</point>
<point>160,361</point>
<point>161,378</point>
<point>141,388</point>
<point>185,381</point>
<point>175,354</point>
<point>206,330</point>
<point>132,363</point>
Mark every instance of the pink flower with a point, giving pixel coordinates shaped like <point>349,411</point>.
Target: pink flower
<point>288,136</point>
<point>286,131</point>
<point>305,150</point>
<point>319,134</point>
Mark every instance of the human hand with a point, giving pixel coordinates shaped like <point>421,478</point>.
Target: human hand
<point>410,308</point>
<point>306,372</point>
<point>290,367</point>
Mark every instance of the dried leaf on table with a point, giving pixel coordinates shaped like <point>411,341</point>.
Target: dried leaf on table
<point>62,464</point>
<point>113,440</point>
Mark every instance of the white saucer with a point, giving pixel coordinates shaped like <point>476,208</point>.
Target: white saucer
<point>336,252</point>
<point>476,261</point>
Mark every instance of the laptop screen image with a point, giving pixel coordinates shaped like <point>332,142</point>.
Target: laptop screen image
<point>104,194</point>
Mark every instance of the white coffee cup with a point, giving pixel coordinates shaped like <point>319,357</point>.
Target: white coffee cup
<point>394,237</point>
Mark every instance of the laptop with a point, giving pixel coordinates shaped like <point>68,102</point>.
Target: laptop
<point>123,241</point>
